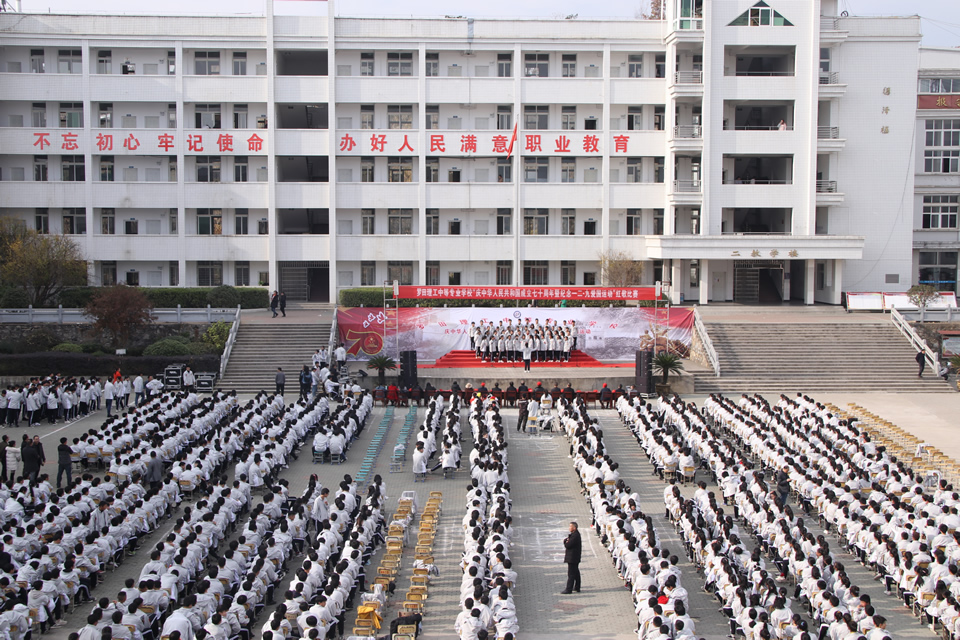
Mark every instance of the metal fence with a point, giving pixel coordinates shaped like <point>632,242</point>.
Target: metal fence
<point>78,316</point>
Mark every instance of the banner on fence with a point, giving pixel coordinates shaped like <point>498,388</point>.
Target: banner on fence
<point>603,333</point>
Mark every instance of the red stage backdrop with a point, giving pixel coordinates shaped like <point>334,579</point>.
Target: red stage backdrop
<point>604,333</point>
<point>528,293</point>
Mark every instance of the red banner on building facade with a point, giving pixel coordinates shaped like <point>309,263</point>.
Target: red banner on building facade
<point>529,293</point>
<point>938,102</point>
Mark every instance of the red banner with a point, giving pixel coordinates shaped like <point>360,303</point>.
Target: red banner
<point>529,293</point>
<point>938,102</point>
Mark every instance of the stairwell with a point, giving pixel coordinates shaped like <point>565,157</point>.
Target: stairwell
<point>774,358</point>
<point>261,348</point>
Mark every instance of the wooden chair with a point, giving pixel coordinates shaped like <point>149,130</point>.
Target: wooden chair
<point>410,629</point>
<point>413,606</point>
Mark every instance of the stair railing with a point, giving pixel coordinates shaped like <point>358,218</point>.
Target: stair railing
<point>334,334</point>
<point>707,343</point>
<point>916,341</point>
<point>231,338</point>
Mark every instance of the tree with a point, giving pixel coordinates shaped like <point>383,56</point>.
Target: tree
<point>654,12</point>
<point>618,269</point>
<point>40,265</point>
<point>666,363</point>
<point>922,295</point>
<point>381,364</point>
<point>119,310</point>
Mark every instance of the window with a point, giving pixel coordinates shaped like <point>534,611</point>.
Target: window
<point>568,170</point>
<point>504,222</point>
<point>207,63</point>
<point>74,221</point>
<point>240,166</point>
<point>695,221</point>
<point>263,227</point>
<point>589,278</point>
<point>433,64</point>
<point>399,63</point>
<point>108,273</point>
<point>240,69</point>
<point>634,222</point>
<point>208,168</point>
<point>209,273</point>
<point>504,169</point>
<point>367,165</point>
<point>240,118</point>
<point>568,272</point>
<point>401,271</point>
<point>432,116</point>
<point>241,222</point>
<point>940,212</point>
<point>635,65</point>
<point>568,118</point>
<point>536,116</point>
<point>536,65</point>
<point>504,65</point>
<point>568,222</point>
<point>171,63</point>
<point>504,117</point>
<point>105,115</point>
<point>366,63</point>
<point>36,61</point>
<point>535,169</point>
<point>659,117</point>
<point>825,60</point>
<point>368,219</point>
<point>40,168</point>
<point>131,227</point>
<point>104,62</point>
<point>569,65</point>
<point>241,272</point>
<point>433,222</point>
<point>41,221</point>
<point>38,115</point>
<point>432,169</point>
<point>207,116</point>
<point>760,15</point>
<point>694,273</point>
<point>209,222</point>
<point>634,118</point>
<point>399,169</point>
<point>453,175</point>
<point>946,135</point>
<point>939,85</point>
<point>107,222</point>
<point>634,169</point>
<point>536,222</point>
<point>821,276</point>
<point>368,273</point>
<point>366,116</point>
<point>660,65</point>
<point>453,228</point>
<point>71,115</point>
<point>174,215</point>
<point>69,61</point>
<point>174,269</point>
<point>433,273</point>
<point>73,170</point>
<point>590,228</point>
<point>504,272</point>
<point>400,116</point>
<point>400,222</point>
<point>171,116</point>
<point>535,272</point>
<point>658,172</point>
<point>658,222</point>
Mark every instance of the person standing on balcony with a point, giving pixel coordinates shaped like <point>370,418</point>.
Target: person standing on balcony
<point>782,126</point>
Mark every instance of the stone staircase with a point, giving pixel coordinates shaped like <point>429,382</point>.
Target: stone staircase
<point>821,357</point>
<point>261,348</point>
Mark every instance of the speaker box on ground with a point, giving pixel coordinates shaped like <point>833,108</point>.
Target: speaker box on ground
<point>408,368</point>
<point>644,372</point>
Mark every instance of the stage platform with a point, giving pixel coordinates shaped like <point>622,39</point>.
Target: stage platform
<point>468,359</point>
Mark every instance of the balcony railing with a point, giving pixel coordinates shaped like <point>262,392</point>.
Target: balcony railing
<point>686,186</point>
<point>826,186</point>
<point>767,74</point>
<point>688,77</point>
<point>829,23</point>
<point>829,77</point>
<point>689,24</point>
<point>758,127</point>
<point>828,133</point>
<point>688,131</point>
<point>756,181</point>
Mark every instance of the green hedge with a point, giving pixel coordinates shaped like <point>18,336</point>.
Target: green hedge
<point>373,297</point>
<point>82,364</point>
<point>188,298</point>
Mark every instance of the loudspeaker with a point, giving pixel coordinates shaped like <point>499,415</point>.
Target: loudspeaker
<point>408,368</point>
<point>644,371</point>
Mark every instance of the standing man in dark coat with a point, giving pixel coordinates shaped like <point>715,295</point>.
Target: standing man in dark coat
<point>283,304</point>
<point>154,473</point>
<point>274,301</point>
<point>31,461</point>
<point>922,362</point>
<point>64,462</point>
<point>281,381</point>
<point>571,556</point>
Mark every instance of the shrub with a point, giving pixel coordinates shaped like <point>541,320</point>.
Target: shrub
<point>168,347</point>
<point>37,340</point>
<point>254,298</point>
<point>7,347</point>
<point>170,297</point>
<point>68,347</point>
<point>82,364</point>
<point>224,297</point>
<point>14,298</point>
<point>216,336</point>
<point>91,347</point>
<point>77,297</point>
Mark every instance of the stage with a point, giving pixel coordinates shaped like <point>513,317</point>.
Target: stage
<point>466,359</point>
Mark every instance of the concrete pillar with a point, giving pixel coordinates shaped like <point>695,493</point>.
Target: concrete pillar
<point>837,297</point>
<point>704,281</point>
<point>676,280</point>
<point>809,281</point>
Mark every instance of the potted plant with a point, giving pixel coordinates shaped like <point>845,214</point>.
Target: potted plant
<point>381,364</point>
<point>666,363</point>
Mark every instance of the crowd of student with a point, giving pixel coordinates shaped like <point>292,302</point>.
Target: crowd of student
<point>334,436</point>
<point>645,566</point>
<point>800,442</point>
<point>524,341</point>
<point>486,588</point>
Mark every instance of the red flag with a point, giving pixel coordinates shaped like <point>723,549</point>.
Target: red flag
<point>513,139</point>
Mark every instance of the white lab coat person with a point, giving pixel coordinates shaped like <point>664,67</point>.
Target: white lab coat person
<point>419,462</point>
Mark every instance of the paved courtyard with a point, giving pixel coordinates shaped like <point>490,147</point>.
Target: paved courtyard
<point>546,497</point>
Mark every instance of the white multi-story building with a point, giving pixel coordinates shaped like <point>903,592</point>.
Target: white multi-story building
<point>742,149</point>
